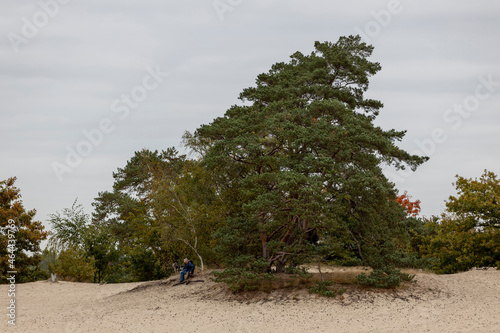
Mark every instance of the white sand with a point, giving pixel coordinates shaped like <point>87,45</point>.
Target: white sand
<point>465,302</point>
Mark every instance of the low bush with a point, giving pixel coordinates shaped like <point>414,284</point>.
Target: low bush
<point>71,264</point>
<point>323,288</point>
<point>389,278</point>
<point>246,274</point>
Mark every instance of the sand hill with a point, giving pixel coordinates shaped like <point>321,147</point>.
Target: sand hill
<point>465,302</point>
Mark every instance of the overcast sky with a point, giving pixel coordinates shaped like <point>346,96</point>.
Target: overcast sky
<point>85,84</point>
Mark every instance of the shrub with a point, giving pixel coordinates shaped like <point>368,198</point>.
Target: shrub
<point>246,274</point>
<point>300,271</point>
<point>72,264</point>
<point>388,278</point>
<point>322,288</point>
<point>454,250</point>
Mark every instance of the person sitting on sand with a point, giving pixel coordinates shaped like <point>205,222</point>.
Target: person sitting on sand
<point>187,270</point>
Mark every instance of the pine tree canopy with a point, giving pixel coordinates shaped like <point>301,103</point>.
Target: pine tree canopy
<point>305,159</point>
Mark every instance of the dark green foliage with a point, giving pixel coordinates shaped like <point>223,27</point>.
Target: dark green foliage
<point>294,175</point>
<point>244,273</point>
<point>119,271</point>
<point>144,266</point>
<point>299,271</point>
<point>237,238</point>
<point>323,288</point>
<point>302,162</point>
<point>99,244</point>
<point>348,261</point>
<point>128,232</point>
<point>387,278</point>
<point>163,208</point>
<point>34,273</point>
<point>128,211</point>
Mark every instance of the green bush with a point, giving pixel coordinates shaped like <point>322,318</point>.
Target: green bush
<point>454,250</point>
<point>144,266</point>
<point>72,264</point>
<point>467,235</point>
<point>322,288</point>
<point>300,271</point>
<point>33,273</point>
<point>389,278</point>
<point>246,274</point>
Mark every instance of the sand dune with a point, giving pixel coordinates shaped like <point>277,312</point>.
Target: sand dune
<point>465,302</point>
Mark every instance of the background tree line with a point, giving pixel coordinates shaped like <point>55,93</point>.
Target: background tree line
<point>291,176</point>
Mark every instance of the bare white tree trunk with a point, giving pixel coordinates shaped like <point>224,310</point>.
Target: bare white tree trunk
<point>194,249</point>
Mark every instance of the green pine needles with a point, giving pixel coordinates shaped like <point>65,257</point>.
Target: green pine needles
<point>300,163</point>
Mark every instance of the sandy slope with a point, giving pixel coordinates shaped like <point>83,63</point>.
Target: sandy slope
<point>465,302</point>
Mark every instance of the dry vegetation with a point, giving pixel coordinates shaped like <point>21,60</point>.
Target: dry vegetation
<point>287,287</point>
<point>465,302</point>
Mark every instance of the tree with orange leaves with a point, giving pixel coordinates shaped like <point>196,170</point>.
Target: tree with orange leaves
<point>412,207</point>
<point>20,235</point>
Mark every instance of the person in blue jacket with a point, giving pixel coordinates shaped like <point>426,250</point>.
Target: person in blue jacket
<point>187,269</point>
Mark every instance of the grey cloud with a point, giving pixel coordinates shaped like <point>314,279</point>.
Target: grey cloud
<point>65,79</point>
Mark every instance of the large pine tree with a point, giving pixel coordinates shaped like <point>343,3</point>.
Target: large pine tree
<point>302,161</point>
